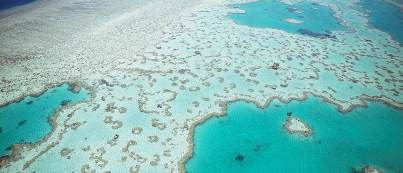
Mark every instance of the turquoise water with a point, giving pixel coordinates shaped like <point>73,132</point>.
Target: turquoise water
<point>385,17</point>
<point>253,140</point>
<point>317,19</point>
<point>27,121</point>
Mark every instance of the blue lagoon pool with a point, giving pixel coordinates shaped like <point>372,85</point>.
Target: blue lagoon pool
<point>302,18</point>
<point>385,17</point>
<point>249,139</point>
<point>27,121</point>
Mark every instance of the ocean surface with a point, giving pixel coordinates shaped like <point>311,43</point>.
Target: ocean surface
<point>6,4</point>
<point>314,19</point>
<point>249,139</point>
<point>27,121</point>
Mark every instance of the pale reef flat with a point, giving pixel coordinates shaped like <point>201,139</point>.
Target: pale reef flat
<point>157,68</point>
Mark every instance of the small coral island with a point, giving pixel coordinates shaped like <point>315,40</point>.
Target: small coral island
<point>294,125</point>
<point>370,169</point>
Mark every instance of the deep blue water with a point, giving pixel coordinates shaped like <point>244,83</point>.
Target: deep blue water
<point>250,140</point>
<point>385,17</point>
<point>27,121</point>
<point>5,4</point>
<point>317,20</point>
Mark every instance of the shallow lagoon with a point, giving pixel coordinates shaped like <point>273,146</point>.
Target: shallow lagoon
<point>249,139</point>
<point>27,121</point>
<point>305,16</point>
